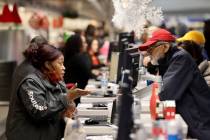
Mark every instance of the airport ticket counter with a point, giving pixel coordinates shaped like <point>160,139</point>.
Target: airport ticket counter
<point>99,108</point>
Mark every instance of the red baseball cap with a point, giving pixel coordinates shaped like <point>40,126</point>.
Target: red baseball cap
<point>158,35</point>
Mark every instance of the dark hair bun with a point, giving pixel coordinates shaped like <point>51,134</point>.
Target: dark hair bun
<point>39,54</point>
<point>32,52</point>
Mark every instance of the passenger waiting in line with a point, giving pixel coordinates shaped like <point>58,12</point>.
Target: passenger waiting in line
<point>38,104</point>
<point>193,42</point>
<point>182,82</point>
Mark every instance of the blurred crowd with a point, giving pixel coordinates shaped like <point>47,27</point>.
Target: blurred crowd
<point>203,39</point>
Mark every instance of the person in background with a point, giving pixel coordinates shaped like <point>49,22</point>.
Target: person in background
<point>193,42</point>
<point>41,99</point>
<point>93,52</point>
<point>38,25</point>
<point>34,26</point>
<point>78,66</point>
<point>180,29</point>
<point>90,32</point>
<point>104,51</point>
<point>206,32</point>
<point>80,32</point>
<point>104,44</point>
<point>182,82</point>
<point>44,26</point>
<point>101,33</point>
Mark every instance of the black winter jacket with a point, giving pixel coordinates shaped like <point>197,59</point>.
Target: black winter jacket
<point>183,82</point>
<point>35,110</point>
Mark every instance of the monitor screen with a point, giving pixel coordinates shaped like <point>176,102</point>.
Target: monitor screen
<point>131,62</point>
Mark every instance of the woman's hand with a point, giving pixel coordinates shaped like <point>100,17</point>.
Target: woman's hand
<point>82,92</point>
<point>76,93</point>
<point>69,112</point>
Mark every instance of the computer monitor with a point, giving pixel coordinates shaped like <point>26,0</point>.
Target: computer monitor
<point>131,62</point>
<point>126,41</point>
<point>117,62</point>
